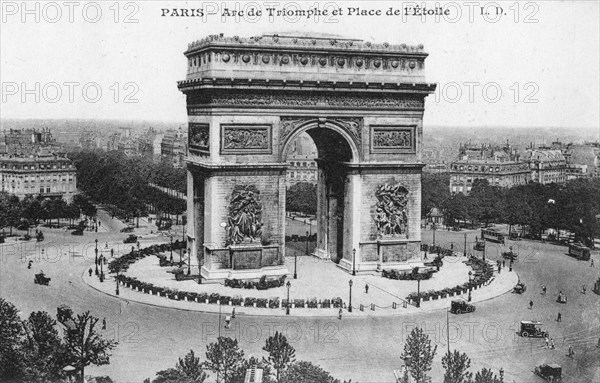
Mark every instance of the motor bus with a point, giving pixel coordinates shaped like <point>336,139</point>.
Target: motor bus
<point>492,235</point>
<point>577,250</point>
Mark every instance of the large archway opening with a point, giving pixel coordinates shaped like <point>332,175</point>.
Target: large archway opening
<point>316,182</point>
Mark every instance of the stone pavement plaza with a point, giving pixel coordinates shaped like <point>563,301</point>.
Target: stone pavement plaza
<point>317,278</point>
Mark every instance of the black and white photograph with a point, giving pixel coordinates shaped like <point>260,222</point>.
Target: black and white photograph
<point>299,191</point>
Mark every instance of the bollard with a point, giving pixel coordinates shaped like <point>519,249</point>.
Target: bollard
<point>362,307</point>
<point>372,307</point>
<point>394,305</point>
<point>404,304</point>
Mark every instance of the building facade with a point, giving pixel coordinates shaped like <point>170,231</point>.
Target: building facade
<point>463,174</point>
<point>547,166</point>
<point>42,174</point>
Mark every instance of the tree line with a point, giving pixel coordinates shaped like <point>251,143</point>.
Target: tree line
<point>571,206</point>
<point>122,182</point>
<point>15,212</point>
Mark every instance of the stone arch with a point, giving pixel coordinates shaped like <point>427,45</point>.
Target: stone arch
<point>312,127</point>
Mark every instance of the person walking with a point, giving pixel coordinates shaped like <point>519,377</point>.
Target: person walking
<point>544,290</point>
<point>530,305</point>
<point>227,321</point>
<point>592,263</point>
<point>340,314</point>
<point>504,263</point>
<point>559,318</point>
<point>366,289</point>
<point>571,353</point>
<point>90,271</point>
<point>583,290</point>
<point>103,323</point>
<point>233,313</point>
<point>552,347</point>
<point>547,341</point>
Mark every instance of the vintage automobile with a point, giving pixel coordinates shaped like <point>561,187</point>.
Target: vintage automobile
<point>128,229</point>
<point>78,231</point>
<point>459,306</point>
<point>549,372</point>
<point>41,279</point>
<point>26,237</point>
<point>562,298</point>
<point>479,245</point>
<point>532,329</point>
<point>519,288</point>
<point>131,239</point>
<point>514,236</point>
<point>164,223</point>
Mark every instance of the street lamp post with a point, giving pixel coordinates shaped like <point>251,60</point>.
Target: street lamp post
<point>353,261</point>
<point>117,280</point>
<point>101,259</point>
<point>465,247</point>
<point>96,257</point>
<point>189,261</point>
<point>287,305</point>
<point>470,285</point>
<point>418,291</point>
<point>171,247</point>
<point>350,303</point>
<point>433,228</point>
<point>112,253</point>
<point>307,243</point>
<point>295,264</point>
<point>484,249</point>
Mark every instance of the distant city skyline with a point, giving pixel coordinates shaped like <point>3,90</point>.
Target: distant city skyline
<point>549,67</point>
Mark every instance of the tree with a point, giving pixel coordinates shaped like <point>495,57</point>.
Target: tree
<point>302,197</point>
<point>43,349</point>
<point>187,370</point>
<point>281,353</point>
<point>487,376</point>
<point>456,365</point>
<point>420,353</point>
<point>225,358</point>
<point>11,332</point>
<point>306,372</point>
<point>84,345</point>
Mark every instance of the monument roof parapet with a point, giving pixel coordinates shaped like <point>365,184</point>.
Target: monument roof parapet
<point>303,41</point>
<point>304,57</point>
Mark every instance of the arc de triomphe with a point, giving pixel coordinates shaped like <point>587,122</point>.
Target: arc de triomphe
<point>361,103</point>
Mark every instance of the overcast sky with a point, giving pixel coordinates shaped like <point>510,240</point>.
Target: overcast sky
<point>546,53</point>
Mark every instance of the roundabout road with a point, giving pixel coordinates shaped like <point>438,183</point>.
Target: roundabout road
<point>363,349</point>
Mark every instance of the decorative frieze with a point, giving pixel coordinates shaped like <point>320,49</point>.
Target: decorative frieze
<point>245,139</point>
<point>393,139</point>
<point>232,98</point>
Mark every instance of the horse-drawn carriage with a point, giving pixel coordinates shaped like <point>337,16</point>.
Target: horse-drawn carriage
<point>479,245</point>
<point>562,298</point>
<point>39,236</point>
<point>549,372</point>
<point>519,288</point>
<point>41,279</point>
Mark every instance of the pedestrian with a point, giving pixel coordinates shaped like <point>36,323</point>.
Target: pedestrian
<point>544,290</point>
<point>90,271</point>
<point>106,245</point>
<point>547,341</point>
<point>499,269</point>
<point>227,321</point>
<point>531,305</point>
<point>233,313</point>
<point>366,289</point>
<point>504,263</point>
<point>583,289</point>
<point>571,352</point>
<point>552,347</point>
<point>340,314</point>
<point>559,318</point>
<point>103,323</point>
<point>592,263</point>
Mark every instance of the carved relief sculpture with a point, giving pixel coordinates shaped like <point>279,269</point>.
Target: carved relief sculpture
<point>244,222</point>
<point>246,138</point>
<point>401,139</point>
<point>390,210</point>
<point>199,136</point>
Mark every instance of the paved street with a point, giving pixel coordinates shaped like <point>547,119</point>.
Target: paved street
<point>365,349</point>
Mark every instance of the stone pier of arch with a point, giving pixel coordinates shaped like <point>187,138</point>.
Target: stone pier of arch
<point>361,103</point>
